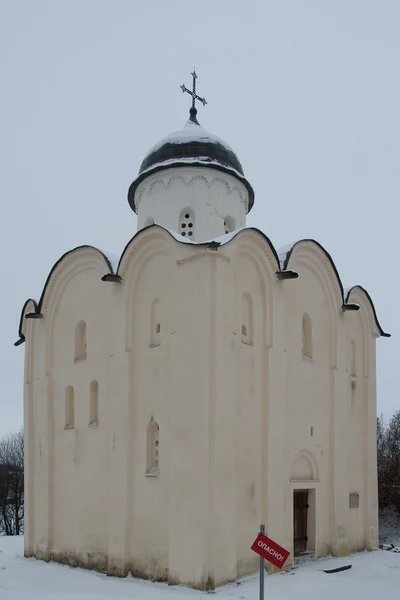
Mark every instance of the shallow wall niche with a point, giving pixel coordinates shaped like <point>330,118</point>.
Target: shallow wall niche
<point>80,341</point>
<point>153,449</point>
<point>69,408</point>
<point>307,339</point>
<point>304,468</point>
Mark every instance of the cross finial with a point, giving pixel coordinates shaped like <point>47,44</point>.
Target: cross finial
<point>193,110</point>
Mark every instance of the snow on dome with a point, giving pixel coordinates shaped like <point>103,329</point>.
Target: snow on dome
<point>191,142</point>
<point>190,146</point>
<point>189,133</point>
<point>203,160</point>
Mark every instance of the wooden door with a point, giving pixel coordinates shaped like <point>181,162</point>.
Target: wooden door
<point>300,511</point>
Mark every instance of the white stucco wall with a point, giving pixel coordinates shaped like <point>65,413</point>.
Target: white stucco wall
<point>235,412</point>
<point>212,197</point>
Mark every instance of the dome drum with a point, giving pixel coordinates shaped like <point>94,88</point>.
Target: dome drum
<point>191,146</point>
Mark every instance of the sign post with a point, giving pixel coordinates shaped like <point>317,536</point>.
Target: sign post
<point>270,550</point>
<point>262,531</point>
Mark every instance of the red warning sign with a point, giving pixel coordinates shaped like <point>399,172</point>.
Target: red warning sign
<point>270,550</point>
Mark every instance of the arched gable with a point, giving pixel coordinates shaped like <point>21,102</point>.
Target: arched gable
<point>141,240</point>
<point>80,260</point>
<point>56,272</point>
<point>313,256</point>
<point>88,256</point>
<point>261,245</point>
<point>259,251</point>
<point>146,245</point>
<point>359,295</point>
<point>287,255</point>
<point>322,262</point>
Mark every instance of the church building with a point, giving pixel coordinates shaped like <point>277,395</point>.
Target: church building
<point>198,386</point>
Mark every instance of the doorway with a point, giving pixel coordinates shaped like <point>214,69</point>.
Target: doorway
<point>300,522</point>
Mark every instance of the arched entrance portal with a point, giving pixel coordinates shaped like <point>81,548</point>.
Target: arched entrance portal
<point>303,477</point>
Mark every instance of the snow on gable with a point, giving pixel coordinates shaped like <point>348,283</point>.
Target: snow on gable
<point>113,259</point>
<point>283,253</point>
<point>222,239</point>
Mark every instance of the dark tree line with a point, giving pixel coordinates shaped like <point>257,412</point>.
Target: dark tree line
<point>388,440</point>
<point>12,484</point>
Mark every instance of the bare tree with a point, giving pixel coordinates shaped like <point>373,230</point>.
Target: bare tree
<point>12,484</point>
<point>388,439</point>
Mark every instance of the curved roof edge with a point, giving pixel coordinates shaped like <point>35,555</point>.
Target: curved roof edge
<point>285,254</point>
<point>21,335</point>
<point>282,257</point>
<point>220,241</point>
<point>38,305</point>
<point>285,259</point>
<point>348,292</point>
<point>195,162</point>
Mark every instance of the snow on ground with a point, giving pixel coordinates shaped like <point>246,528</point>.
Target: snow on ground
<point>372,574</point>
<point>389,526</point>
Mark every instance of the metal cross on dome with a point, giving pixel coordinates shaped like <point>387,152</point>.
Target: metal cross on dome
<point>193,92</point>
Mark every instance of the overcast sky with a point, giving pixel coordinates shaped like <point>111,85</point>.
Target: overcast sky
<point>306,92</point>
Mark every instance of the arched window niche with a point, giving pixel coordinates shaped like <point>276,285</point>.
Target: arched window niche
<point>80,341</point>
<point>94,404</point>
<point>69,408</point>
<point>153,449</point>
<point>155,323</point>
<point>187,223</point>
<point>307,341</point>
<point>247,319</point>
<point>229,224</point>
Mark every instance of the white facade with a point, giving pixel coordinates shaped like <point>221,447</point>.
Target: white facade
<point>215,202</point>
<point>175,405</point>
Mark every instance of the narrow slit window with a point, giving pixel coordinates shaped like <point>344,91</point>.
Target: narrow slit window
<point>69,408</point>
<point>94,404</point>
<point>155,323</point>
<point>80,341</point>
<point>247,319</point>
<point>307,336</point>
<point>153,449</point>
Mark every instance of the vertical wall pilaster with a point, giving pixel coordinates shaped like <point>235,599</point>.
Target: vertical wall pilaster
<point>339,509</point>
<point>29,447</point>
<point>371,531</point>
<point>120,405</point>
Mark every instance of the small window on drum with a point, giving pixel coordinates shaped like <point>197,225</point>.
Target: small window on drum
<point>229,224</point>
<point>187,223</point>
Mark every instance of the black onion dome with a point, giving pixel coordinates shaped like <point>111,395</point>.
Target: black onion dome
<point>189,146</point>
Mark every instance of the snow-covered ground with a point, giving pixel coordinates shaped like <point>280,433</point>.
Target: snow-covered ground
<point>389,527</point>
<point>372,574</point>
